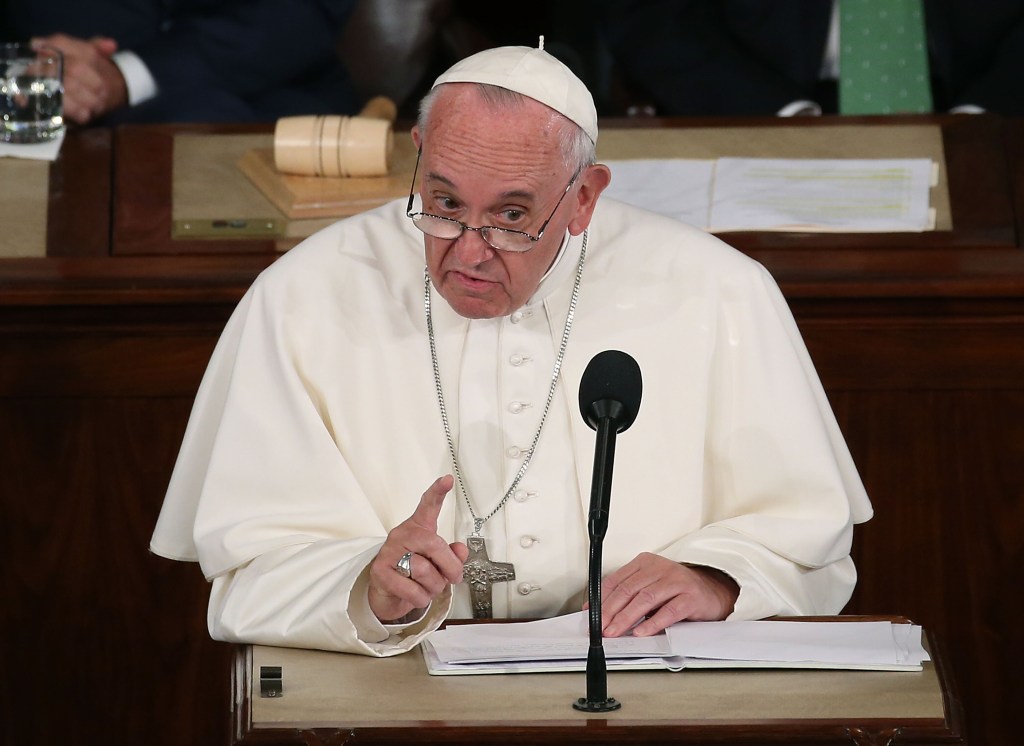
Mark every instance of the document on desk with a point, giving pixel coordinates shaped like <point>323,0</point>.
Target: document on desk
<point>561,644</point>
<point>821,195</point>
<point>771,194</point>
<point>677,187</point>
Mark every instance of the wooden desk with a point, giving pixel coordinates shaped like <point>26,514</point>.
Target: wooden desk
<point>919,341</point>
<point>339,698</point>
<point>1014,135</point>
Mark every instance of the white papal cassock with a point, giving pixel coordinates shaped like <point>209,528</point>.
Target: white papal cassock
<point>316,430</point>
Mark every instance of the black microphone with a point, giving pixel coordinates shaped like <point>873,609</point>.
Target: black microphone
<point>610,393</point>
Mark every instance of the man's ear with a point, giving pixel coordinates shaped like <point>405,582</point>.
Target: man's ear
<point>416,139</point>
<point>593,181</point>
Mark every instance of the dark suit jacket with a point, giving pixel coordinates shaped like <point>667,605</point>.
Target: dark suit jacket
<point>214,60</point>
<point>735,57</point>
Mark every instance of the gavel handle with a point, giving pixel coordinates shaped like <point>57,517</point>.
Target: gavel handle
<point>380,107</point>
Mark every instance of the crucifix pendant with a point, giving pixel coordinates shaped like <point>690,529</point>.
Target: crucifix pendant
<point>480,574</point>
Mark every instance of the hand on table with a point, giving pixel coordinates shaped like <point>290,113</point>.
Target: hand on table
<point>657,593</point>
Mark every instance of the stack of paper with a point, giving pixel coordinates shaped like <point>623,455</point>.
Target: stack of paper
<point>561,644</point>
<point>776,194</point>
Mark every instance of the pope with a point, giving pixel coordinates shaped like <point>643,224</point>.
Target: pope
<point>387,435</point>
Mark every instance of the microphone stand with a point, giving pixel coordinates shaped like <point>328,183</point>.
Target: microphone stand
<point>607,413</point>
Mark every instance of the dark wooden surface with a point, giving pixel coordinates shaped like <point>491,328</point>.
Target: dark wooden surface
<point>1014,138</point>
<point>919,341</point>
<point>142,224</point>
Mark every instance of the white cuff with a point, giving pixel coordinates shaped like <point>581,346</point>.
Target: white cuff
<point>800,108</point>
<point>369,629</point>
<point>967,109</point>
<point>141,84</point>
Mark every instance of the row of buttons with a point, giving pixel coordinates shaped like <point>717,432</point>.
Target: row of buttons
<point>521,496</point>
<point>527,541</point>
<point>517,407</point>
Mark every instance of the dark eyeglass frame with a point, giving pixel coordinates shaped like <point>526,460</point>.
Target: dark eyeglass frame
<point>486,231</point>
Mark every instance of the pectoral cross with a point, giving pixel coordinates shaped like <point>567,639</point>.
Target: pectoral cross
<point>480,574</point>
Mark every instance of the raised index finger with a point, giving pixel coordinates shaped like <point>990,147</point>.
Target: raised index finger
<point>429,507</point>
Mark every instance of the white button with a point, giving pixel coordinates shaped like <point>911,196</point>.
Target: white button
<point>517,407</point>
<point>521,496</point>
<point>516,452</point>
<point>525,589</point>
<point>528,541</point>
<point>517,360</point>
<point>516,317</point>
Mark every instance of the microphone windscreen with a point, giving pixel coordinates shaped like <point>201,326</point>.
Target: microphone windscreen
<point>611,376</point>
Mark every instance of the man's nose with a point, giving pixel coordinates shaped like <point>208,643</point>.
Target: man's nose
<point>471,248</point>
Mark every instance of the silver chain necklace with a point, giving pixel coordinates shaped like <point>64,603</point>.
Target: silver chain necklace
<point>477,521</point>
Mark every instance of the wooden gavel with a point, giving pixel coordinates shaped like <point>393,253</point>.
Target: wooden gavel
<point>337,146</point>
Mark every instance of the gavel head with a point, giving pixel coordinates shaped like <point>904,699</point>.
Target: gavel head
<point>333,146</point>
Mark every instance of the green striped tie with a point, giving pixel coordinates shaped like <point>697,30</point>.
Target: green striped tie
<point>883,58</point>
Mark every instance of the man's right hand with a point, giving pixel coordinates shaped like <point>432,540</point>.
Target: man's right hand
<point>93,84</point>
<point>435,564</point>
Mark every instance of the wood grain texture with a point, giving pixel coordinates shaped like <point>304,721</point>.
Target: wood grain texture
<point>102,639</point>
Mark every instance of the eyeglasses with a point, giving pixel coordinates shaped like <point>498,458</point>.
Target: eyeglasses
<point>502,239</point>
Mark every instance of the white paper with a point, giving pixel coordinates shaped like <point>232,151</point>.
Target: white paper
<point>841,643</point>
<point>821,194</point>
<point>675,187</point>
<point>558,638</point>
<point>562,643</point>
<point>782,194</point>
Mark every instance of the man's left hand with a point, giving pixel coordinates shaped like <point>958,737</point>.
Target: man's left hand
<point>657,593</point>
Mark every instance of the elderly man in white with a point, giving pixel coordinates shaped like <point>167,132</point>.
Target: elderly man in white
<point>440,341</point>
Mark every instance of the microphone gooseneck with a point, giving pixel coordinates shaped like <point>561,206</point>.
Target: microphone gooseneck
<point>610,392</point>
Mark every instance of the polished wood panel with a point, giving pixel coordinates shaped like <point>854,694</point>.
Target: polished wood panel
<point>142,223</point>
<point>945,471</point>
<point>101,638</point>
<point>1015,155</point>
<point>78,215</point>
